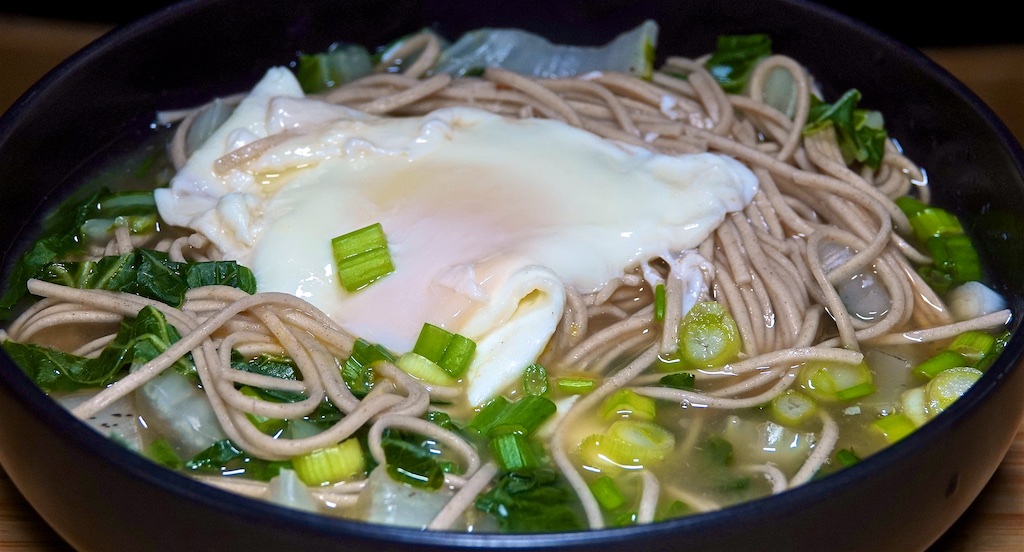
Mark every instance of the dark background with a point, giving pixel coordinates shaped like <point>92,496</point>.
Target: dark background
<point>933,25</point>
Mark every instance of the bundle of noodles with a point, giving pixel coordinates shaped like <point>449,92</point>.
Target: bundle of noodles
<point>772,265</point>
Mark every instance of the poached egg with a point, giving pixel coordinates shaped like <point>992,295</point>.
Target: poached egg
<point>487,218</point>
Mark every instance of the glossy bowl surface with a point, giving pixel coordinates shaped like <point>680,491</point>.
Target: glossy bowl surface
<point>101,497</point>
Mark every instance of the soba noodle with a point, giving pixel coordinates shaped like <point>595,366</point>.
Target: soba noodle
<point>763,264</point>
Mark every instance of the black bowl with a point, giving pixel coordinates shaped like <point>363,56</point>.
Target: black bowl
<point>99,496</point>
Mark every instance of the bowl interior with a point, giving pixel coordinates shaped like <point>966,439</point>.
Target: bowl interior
<point>104,99</point>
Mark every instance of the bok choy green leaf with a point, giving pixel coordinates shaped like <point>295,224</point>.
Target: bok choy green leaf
<point>531,501</point>
<point>149,274</point>
<point>530,54</point>
<point>65,233</point>
<point>138,341</point>
<point>860,132</point>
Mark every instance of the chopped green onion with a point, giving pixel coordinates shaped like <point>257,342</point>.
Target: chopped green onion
<point>955,255</point>
<point>954,258</point>
<point>513,452</point>
<point>576,385</point>
<point>933,222</point>
<point>450,351</point>
<point>831,381</point>
<point>607,493</point>
<point>432,342</point>
<point>894,427</point>
<point>535,380</point>
<point>923,403</point>
<point>362,257</point>
<point>331,464</point>
<point>635,442</point>
<point>974,345</point>
<point>949,386</point>
<point>1001,341</point>
<point>855,392</point>
<point>484,419</point>
<point>942,361</point>
<point>523,416</point>
<point>659,302</point>
<point>973,348</point>
<point>367,353</point>
<point>594,453</point>
<point>929,221</point>
<point>359,271</point>
<point>910,205</point>
<point>423,369</point>
<point>458,355</point>
<point>125,203</point>
<point>793,408</point>
<point>509,426</point>
<point>708,336</point>
<point>627,444</point>
<point>626,403</point>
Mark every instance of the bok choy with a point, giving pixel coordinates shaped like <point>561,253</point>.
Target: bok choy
<point>529,54</point>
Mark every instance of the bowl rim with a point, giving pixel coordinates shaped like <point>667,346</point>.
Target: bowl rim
<point>138,467</point>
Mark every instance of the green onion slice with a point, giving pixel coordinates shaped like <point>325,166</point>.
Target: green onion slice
<point>949,386</point>
<point>607,493</point>
<point>576,385</point>
<point>636,443</point>
<point>894,427</point>
<point>708,336</point>
<point>423,369</point>
<point>831,381</point>
<point>451,351</point>
<point>329,465</point>
<point>940,362</point>
<point>362,257</point>
<point>793,408</point>
<point>626,403</point>
<point>659,302</point>
<point>513,451</point>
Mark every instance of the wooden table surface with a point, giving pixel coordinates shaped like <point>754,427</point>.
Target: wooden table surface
<point>994,523</point>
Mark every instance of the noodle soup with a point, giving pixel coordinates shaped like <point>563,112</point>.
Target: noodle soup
<point>706,284</point>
